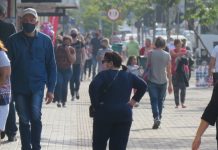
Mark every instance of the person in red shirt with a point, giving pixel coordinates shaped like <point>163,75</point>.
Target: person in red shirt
<point>145,49</point>
<point>179,81</point>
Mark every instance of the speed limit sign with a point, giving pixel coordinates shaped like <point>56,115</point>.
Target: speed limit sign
<point>113,14</point>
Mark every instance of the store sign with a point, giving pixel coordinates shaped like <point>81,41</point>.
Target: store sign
<point>39,1</point>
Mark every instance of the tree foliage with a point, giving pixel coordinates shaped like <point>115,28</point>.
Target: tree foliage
<point>205,12</point>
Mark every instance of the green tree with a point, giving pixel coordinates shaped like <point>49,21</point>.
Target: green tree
<point>205,13</point>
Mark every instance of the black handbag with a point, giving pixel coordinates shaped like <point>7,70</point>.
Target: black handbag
<point>91,107</point>
<point>91,111</point>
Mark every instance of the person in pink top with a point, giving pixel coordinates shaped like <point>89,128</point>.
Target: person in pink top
<point>179,73</point>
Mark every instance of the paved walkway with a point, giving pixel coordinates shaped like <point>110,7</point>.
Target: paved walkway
<point>71,128</point>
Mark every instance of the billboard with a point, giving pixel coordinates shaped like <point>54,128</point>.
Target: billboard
<point>39,4</point>
<point>39,1</point>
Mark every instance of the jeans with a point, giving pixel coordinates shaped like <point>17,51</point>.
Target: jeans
<point>94,66</point>
<point>157,93</point>
<point>88,65</point>
<point>11,127</point>
<point>116,132</point>
<point>75,79</point>
<point>29,111</point>
<point>62,85</point>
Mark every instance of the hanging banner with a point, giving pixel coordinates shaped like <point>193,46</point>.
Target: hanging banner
<point>54,20</point>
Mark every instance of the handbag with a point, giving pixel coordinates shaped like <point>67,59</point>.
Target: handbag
<point>91,111</point>
<point>91,107</point>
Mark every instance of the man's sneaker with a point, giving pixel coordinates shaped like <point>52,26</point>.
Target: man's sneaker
<point>156,124</point>
<point>73,98</point>
<point>77,95</point>
<point>59,104</point>
<point>2,135</point>
<point>64,105</point>
<point>12,139</point>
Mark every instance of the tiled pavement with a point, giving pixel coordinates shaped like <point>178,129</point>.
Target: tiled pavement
<point>71,128</point>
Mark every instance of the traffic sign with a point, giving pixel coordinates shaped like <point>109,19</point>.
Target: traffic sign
<point>113,14</point>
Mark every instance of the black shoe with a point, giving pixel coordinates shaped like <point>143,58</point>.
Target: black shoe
<point>58,104</point>
<point>63,105</point>
<point>2,135</point>
<point>12,139</point>
<point>77,95</point>
<point>156,124</point>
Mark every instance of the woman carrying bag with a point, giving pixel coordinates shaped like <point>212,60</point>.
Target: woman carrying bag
<point>110,93</point>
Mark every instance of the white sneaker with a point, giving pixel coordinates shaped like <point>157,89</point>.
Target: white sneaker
<point>73,98</point>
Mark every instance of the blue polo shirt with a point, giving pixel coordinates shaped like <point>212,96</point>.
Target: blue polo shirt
<point>32,62</point>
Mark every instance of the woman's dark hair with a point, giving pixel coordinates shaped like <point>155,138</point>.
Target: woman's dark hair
<point>114,57</point>
<point>160,42</point>
<point>67,37</point>
<point>177,41</point>
<point>130,59</point>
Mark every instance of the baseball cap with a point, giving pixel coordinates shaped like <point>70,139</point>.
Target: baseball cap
<point>30,11</point>
<point>2,9</point>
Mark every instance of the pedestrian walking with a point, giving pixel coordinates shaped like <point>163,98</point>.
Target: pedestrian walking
<point>209,117</point>
<point>7,29</point>
<point>159,64</point>
<point>5,87</point>
<point>65,57</point>
<point>132,47</point>
<point>88,60</point>
<point>105,47</point>
<point>179,70</point>
<point>78,64</point>
<point>110,93</point>
<point>33,66</point>
<point>95,46</point>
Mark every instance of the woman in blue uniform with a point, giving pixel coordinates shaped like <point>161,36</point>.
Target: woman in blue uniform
<point>110,93</point>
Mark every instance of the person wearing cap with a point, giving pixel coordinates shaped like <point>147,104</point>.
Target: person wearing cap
<point>110,94</point>
<point>33,66</point>
<point>7,29</point>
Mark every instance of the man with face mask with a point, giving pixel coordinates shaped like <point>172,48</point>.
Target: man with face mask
<point>33,66</point>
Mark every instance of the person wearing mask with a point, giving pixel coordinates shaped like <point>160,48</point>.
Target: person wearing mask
<point>110,93</point>
<point>77,66</point>
<point>65,57</point>
<point>33,66</point>
<point>7,29</point>
<point>105,47</point>
<point>159,64</point>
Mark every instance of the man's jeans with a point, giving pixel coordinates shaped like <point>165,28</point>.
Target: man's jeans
<point>62,84</point>
<point>157,93</point>
<point>75,79</point>
<point>94,66</point>
<point>30,125</point>
<point>11,127</point>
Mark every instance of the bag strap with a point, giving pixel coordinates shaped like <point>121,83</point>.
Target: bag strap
<point>110,84</point>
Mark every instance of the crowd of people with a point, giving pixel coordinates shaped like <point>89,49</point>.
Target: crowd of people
<point>29,62</point>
